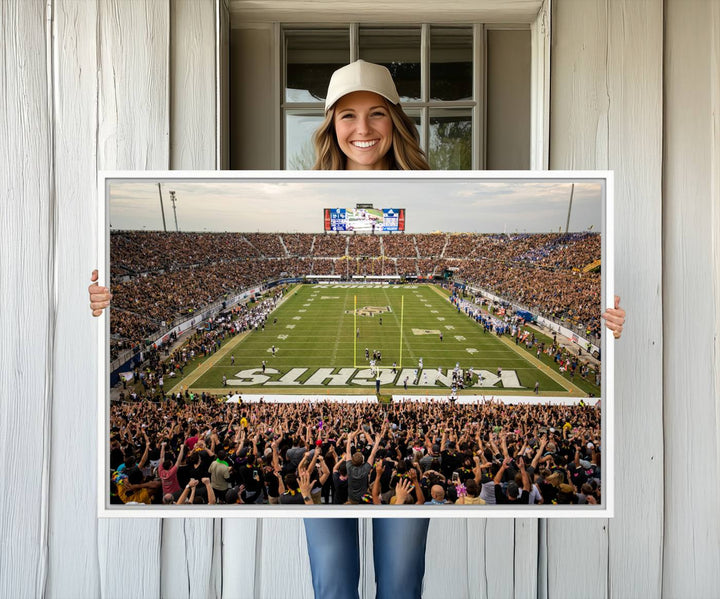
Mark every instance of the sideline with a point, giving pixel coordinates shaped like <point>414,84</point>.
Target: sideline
<point>203,368</point>
<point>532,360</point>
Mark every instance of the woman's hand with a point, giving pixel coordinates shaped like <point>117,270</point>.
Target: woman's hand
<point>99,296</point>
<point>615,318</point>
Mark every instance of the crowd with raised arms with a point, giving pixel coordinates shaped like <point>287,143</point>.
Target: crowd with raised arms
<point>207,451</point>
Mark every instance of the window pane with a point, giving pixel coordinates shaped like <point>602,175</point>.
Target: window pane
<point>299,150</point>
<point>415,117</point>
<point>450,139</point>
<point>399,51</point>
<point>311,58</point>
<point>451,56</point>
<point>508,100</point>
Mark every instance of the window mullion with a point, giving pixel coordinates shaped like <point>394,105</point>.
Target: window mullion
<point>425,85</point>
<point>354,41</point>
<point>478,113</point>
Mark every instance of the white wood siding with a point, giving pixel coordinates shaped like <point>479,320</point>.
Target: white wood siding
<point>74,566</point>
<point>606,113</point>
<point>635,87</point>
<point>27,213</point>
<point>691,275</point>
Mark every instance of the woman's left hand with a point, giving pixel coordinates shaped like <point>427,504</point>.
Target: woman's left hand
<point>615,318</point>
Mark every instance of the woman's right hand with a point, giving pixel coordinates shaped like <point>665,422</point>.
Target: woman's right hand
<point>99,296</point>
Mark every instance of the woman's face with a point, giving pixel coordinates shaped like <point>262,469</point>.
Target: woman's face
<point>364,130</point>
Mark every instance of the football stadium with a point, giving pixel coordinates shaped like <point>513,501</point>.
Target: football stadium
<point>280,355</point>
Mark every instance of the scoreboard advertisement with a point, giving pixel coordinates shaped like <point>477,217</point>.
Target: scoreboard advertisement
<point>364,220</point>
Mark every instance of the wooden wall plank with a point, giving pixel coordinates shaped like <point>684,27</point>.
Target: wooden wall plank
<point>26,280</point>
<point>476,558</point>
<point>74,569</point>
<point>490,558</point>
<point>187,558</point>
<point>283,573</point>
<point>607,85</point>
<point>133,126</point>
<point>692,270</point>
<point>190,566</point>
<point>133,129</point>
<point>128,553</point>
<point>446,561</point>
<point>193,85</point>
<point>525,573</point>
<point>499,557</point>
<point>239,558</point>
<point>635,86</point>
<point>578,140</point>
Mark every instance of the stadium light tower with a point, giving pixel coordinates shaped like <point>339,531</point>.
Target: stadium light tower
<point>567,224</point>
<point>162,208</point>
<point>173,200</point>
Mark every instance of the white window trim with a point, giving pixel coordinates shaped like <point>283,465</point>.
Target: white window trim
<point>540,89</point>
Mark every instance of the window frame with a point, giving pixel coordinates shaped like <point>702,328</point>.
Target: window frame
<point>539,86</point>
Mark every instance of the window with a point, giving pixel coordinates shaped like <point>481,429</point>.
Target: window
<point>441,76</point>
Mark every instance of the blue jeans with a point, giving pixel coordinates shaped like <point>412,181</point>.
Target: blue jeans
<point>398,552</point>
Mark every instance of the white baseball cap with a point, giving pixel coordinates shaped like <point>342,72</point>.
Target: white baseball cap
<point>361,76</point>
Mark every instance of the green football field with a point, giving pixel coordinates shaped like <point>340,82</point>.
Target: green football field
<point>322,332</point>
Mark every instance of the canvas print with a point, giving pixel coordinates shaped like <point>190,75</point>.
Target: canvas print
<point>331,344</point>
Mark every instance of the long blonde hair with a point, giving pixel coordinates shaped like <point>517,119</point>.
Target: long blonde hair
<point>405,154</point>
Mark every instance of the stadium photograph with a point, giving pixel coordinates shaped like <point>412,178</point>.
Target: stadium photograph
<point>334,342</point>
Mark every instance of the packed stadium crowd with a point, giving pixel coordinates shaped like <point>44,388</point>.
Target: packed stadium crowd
<point>160,277</point>
<point>206,451</point>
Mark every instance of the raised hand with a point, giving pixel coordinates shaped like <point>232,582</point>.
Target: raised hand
<point>304,483</point>
<point>402,491</point>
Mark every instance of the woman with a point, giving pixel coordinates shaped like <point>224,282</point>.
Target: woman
<point>365,129</point>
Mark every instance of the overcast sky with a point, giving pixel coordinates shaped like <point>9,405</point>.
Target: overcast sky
<point>443,204</point>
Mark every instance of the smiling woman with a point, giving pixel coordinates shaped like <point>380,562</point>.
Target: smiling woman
<point>365,127</point>
<point>364,130</point>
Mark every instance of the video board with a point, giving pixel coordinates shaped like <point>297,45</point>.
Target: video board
<point>364,220</point>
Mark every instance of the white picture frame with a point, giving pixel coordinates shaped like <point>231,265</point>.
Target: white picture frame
<point>365,179</point>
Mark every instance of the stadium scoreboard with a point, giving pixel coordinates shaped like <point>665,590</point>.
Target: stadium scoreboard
<point>364,219</point>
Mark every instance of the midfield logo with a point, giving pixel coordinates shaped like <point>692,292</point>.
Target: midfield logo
<point>370,310</point>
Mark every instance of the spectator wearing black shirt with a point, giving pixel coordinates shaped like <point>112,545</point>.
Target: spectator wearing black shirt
<point>512,494</point>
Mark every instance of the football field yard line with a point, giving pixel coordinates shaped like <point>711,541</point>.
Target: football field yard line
<point>439,292</point>
<point>400,325</point>
<point>355,328</point>
<point>339,329</point>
